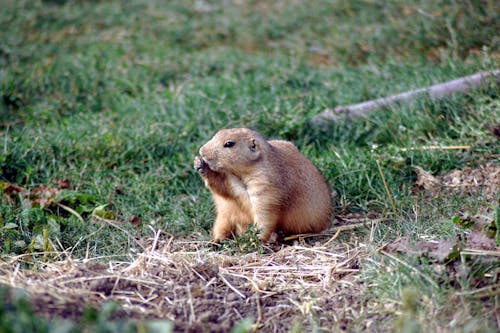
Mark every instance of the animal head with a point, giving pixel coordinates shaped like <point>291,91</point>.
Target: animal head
<point>233,150</point>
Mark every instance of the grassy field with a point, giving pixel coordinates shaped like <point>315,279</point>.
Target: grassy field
<point>105,103</point>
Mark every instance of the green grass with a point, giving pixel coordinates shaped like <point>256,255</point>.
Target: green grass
<point>117,96</point>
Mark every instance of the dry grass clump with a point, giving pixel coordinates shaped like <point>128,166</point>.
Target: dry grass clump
<point>197,288</point>
<point>484,180</point>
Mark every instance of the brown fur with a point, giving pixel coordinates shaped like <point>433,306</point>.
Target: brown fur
<point>268,183</point>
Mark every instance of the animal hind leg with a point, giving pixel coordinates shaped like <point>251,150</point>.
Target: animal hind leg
<point>267,223</point>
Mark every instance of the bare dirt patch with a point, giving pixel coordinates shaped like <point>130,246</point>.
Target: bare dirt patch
<point>199,289</point>
<point>483,180</point>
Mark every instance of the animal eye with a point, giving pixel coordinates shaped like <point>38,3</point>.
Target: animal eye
<point>228,144</point>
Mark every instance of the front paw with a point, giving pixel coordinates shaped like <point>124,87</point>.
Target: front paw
<point>200,165</point>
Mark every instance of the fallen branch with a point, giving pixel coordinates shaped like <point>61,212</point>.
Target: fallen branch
<point>437,148</point>
<point>487,291</point>
<point>434,92</point>
<point>334,231</point>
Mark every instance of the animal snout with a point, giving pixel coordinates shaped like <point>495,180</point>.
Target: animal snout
<point>202,154</point>
<point>207,157</point>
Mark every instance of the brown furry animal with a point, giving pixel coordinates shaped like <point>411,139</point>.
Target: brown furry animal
<point>267,183</point>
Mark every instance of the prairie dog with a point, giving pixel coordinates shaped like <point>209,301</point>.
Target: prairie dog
<point>267,183</point>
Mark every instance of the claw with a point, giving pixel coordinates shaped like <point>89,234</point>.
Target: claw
<point>200,165</point>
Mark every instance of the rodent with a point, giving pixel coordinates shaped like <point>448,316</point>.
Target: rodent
<point>267,183</point>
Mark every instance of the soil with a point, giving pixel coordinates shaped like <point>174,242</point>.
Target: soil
<point>205,291</point>
<point>484,181</point>
<point>311,282</point>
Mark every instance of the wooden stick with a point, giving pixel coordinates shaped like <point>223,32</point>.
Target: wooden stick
<point>437,148</point>
<point>492,290</point>
<point>437,91</point>
<point>334,231</point>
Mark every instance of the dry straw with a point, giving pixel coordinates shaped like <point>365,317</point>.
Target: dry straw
<point>194,286</point>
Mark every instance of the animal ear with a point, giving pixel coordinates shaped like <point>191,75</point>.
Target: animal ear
<point>253,145</point>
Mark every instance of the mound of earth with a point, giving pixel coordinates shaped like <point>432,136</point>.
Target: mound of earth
<point>199,289</point>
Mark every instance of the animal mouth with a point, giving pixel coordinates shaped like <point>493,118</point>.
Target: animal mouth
<point>203,165</point>
<point>206,162</point>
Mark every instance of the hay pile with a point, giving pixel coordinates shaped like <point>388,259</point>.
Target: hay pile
<point>198,289</point>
